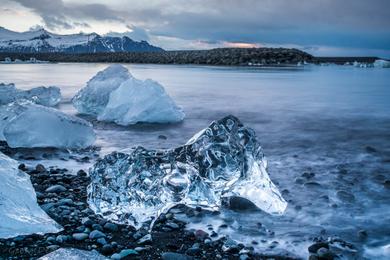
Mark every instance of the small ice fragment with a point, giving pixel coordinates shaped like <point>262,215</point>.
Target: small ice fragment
<point>222,160</point>
<point>24,124</point>
<point>381,64</point>
<point>46,96</point>
<point>20,213</point>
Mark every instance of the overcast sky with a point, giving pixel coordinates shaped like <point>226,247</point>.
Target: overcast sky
<point>321,27</point>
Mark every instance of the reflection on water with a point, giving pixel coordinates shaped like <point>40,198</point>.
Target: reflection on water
<point>325,131</point>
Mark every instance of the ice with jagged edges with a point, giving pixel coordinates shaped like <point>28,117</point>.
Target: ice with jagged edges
<point>20,213</point>
<point>381,64</point>
<point>114,95</point>
<point>25,124</point>
<point>137,101</point>
<point>93,98</point>
<point>223,160</point>
<point>46,96</point>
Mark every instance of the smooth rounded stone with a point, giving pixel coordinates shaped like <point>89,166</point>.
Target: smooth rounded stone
<point>370,149</point>
<point>241,204</point>
<point>111,227</point>
<point>314,247</point>
<point>124,253</point>
<point>172,225</point>
<point>55,189</point>
<point>80,236</point>
<point>101,241</point>
<point>95,234</point>
<point>40,168</point>
<point>107,249</point>
<point>174,256</point>
<point>81,173</point>
<point>162,137</point>
<point>325,253</point>
<point>65,201</point>
<point>50,239</point>
<point>345,196</point>
<point>145,239</point>
<point>200,234</point>
<point>62,238</point>
<point>386,183</point>
<point>22,167</point>
<point>97,227</point>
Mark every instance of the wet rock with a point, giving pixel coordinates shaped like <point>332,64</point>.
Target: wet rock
<point>200,234</point>
<point>101,241</point>
<point>162,137</point>
<point>124,253</point>
<point>172,225</point>
<point>97,227</point>
<point>80,236</point>
<point>40,168</point>
<point>111,227</point>
<point>314,247</point>
<point>241,204</point>
<point>107,249</point>
<point>324,253</point>
<point>62,238</point>
<point>22,167</point>
<point>174,256</point>
<point>145,239</point>
<point>370,149</point>
<point>55,189</point>
<point>95,234</point>
<point>81,173</point>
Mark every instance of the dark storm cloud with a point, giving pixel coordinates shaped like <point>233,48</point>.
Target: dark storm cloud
<point>56,15</point>
<point>346,23</point>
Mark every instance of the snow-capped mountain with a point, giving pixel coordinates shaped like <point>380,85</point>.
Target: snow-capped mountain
<point>41,40</point>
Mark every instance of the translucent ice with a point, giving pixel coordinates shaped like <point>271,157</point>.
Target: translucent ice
<point>381,64</point>
<point>46,96</point>
<point>72,254</point>
<point>93,98</point>
<point>24,124</point>
<point>222,160</point>
<point>19,212</point>
<point>114,95</point>
<point>141,101</point>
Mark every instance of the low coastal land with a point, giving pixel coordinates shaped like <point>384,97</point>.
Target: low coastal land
<point>221,56</point>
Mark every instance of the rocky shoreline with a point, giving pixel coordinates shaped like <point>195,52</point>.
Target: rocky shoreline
<point>64,197</point>
<point>220,56</point>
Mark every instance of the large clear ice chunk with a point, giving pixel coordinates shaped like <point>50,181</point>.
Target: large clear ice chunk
<point>141,101</point>
<point>20,213</point>
<point>93,98</point>
<point>114,95</point>
<point>46,96</point>
<point>223,160</point>
<point>25,124</point>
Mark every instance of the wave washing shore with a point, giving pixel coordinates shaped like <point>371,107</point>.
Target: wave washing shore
<point>324,135</point>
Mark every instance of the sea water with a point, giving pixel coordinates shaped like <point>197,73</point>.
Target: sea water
<point>325,132</point>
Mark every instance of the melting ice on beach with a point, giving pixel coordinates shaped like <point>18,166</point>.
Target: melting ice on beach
<point>19,211</point>
<point>222,160</point>
<point>25,124</point>
<point>114,95</point>
<point>46,96</point>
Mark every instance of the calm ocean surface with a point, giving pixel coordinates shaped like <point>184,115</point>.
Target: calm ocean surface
<point>312,119</point>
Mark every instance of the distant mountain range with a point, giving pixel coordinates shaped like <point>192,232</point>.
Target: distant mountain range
<point>40,40</point>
